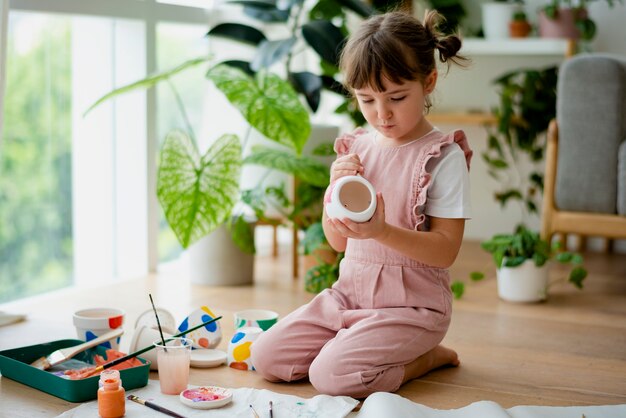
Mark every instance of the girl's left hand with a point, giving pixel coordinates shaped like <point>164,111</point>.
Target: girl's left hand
<point>373,228</point>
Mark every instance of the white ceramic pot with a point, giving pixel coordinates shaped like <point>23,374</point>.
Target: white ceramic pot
<point>524,283</point>
<point>351,197</point>
<point>216,260</point>
<point>496,17</point>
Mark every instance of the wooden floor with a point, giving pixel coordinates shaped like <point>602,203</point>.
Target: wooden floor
<point>570,350</point>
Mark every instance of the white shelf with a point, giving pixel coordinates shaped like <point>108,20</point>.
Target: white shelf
<point>525,46</point>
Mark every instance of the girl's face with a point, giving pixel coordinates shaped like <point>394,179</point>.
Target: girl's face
<point>398,111</point>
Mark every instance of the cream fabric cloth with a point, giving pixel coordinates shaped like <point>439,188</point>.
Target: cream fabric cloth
<point>285,406</point>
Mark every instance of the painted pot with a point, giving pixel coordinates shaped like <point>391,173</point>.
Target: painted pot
<point>239,348</point>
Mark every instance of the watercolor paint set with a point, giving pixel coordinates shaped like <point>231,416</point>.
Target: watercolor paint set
<point>15,364</point>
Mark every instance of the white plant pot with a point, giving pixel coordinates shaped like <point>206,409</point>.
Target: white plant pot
<point>216,260</point>
<point>495,19</point>
<point>524,283</point>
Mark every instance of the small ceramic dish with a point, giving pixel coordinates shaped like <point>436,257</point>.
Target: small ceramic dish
<point>207,357</point>
<point>206,397</point>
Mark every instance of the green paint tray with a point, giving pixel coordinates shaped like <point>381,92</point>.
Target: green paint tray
<point>15,364</point>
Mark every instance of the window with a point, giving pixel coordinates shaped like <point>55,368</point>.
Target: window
<point>76,205</point>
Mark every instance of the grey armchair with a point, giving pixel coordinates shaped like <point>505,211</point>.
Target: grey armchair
<point>585,179</point>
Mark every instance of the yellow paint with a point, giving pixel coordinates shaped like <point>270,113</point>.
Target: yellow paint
<point>242,351</point>
<point>208,311</point>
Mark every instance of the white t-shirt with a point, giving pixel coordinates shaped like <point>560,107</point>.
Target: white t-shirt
<point>449,190</point>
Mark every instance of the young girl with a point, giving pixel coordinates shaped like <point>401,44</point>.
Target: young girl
<point>381,323</point>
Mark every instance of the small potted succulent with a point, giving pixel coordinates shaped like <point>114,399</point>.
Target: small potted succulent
<point>519,27</point>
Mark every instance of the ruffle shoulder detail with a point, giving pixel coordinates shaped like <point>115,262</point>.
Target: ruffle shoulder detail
<point>422,178</point>
<point>343,144</point>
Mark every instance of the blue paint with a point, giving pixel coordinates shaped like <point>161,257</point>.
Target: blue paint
<point>212,327</point>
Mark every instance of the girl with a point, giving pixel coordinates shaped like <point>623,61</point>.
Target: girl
<point>381,323</point>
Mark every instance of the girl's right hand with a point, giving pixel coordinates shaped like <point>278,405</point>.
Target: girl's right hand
<point>348,165</point>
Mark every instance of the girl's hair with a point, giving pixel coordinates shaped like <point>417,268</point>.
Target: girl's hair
<point>398,47</point>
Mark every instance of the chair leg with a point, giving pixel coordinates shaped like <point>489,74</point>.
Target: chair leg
<point>581,243</point>
<point>275,241</point>
<point>295,255</point>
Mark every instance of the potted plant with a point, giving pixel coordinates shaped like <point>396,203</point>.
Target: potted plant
<point>199,191</point>
<point>519,27</point>
<point>566,19</point>
<point>521,260</point>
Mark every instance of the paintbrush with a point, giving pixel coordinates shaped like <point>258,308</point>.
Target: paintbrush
<point>115,362</point>
<point>64,354</point>
<point>154,406</point>
<point>158,322</point>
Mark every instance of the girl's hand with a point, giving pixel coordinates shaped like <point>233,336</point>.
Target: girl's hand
<point>348,165</point>
<point>374,228</point>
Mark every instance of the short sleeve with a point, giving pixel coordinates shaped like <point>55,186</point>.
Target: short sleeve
<point>449,192</point>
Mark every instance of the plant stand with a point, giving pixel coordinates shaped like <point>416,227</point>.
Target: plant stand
<point>524,283</point>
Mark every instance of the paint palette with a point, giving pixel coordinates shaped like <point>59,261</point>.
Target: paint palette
<point>208,336</point>
<point>206,397</point>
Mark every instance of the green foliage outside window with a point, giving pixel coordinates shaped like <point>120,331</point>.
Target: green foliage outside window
<point>35,167</point>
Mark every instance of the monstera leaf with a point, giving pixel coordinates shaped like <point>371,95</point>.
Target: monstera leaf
<point>197,193</point>
<point>267,102</point>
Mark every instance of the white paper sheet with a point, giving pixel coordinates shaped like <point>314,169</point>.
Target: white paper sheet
<point>285,406</point>
<point>381,405</point>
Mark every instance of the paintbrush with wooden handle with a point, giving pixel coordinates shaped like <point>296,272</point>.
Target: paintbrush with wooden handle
<point>64,354</point>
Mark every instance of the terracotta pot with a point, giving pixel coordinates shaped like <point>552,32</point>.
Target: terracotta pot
<point>519,28</point>
<point>563,26</point>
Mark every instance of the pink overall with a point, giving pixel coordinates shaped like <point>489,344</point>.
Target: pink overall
<point>386,309</point>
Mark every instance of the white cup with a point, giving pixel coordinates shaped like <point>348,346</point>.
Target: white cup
<point>93,322</point>
<point>261,318</point>
<point>143,337</point>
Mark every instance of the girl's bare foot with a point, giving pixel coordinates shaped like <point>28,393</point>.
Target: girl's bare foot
<point>437,357</point>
